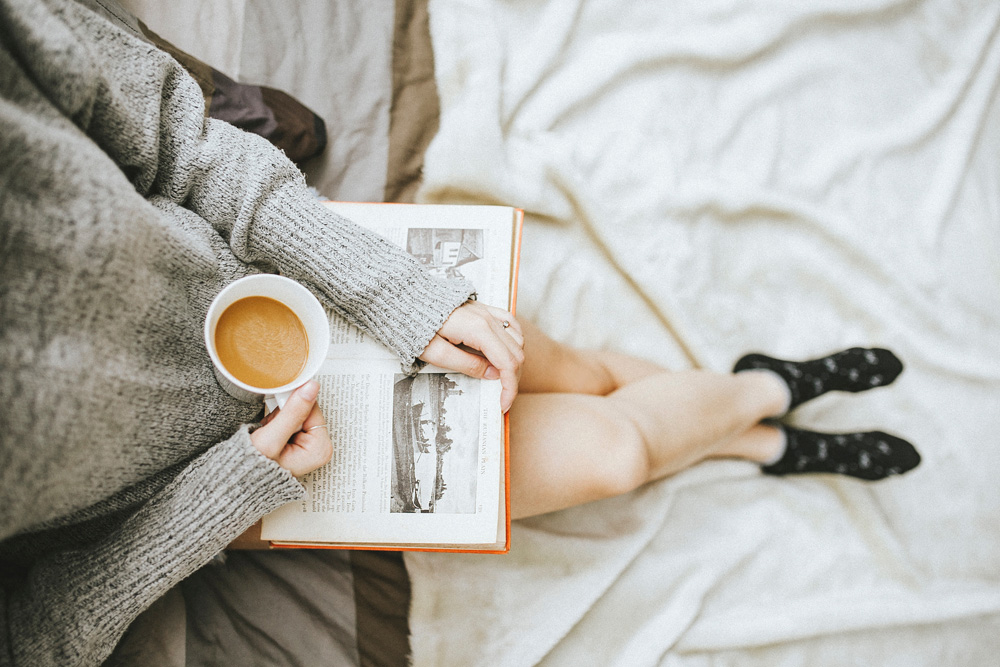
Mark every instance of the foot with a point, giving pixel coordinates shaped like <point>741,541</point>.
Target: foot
<point>854,370</point>
<point>872,456</point>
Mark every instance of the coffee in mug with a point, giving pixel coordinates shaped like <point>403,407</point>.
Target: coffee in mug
<point>261,342</point>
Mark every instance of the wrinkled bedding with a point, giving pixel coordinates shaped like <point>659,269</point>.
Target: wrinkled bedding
<point>786,177</point>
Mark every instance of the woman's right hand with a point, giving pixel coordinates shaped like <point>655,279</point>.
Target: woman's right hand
<point>492,331</point>
<point>289,435</point>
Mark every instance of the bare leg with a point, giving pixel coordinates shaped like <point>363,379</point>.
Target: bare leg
<point>553,367</point>
<point>590,425</point>
<point>572,448</point>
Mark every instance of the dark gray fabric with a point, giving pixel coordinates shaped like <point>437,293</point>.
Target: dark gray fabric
<point>382,607</point>
<point>269,113</point>
<point>156,637</point>
<point>289,608</point>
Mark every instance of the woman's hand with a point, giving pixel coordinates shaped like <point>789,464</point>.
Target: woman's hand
<point>285,437</point>
<point>481,328</point>
<point>289,435</point>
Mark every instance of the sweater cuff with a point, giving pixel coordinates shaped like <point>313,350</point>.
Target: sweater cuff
<point>372,282</point>
<point>88,597</point>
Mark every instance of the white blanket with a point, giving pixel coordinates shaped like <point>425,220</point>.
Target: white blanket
<point>707,178</point>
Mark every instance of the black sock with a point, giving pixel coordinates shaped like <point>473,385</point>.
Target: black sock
<point>873,455</point>
<point>856,369</point>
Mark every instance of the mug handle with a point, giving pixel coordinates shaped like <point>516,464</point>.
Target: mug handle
<point>275,401</point>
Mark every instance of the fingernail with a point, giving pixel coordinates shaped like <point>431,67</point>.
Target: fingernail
<point>492,373</point>
<point>310,390</point>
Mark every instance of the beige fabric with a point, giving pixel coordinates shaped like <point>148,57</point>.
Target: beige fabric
<point>414,111</point>
<point>334,57</point>
<point>210,31</point>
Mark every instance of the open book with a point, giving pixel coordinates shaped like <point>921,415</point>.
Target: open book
<point>418,462</point>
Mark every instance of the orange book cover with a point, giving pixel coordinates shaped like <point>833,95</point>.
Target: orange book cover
<point>441,239</point>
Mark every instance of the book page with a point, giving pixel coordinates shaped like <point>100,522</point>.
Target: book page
<point>470,242</point>
<point>415,460</point>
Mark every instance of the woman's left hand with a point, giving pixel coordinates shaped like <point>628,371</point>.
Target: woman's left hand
<point>481,328</point>
<point>296,436</point>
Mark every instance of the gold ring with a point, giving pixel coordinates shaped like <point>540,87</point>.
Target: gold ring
<point>313,428</point>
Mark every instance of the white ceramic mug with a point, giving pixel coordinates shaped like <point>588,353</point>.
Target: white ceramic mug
<point>305,306</point>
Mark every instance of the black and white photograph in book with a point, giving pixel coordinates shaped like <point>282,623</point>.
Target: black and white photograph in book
<point>435,438</point>
<point>450,253</point>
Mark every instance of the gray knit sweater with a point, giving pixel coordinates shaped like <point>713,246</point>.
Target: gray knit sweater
<point>123,465</point>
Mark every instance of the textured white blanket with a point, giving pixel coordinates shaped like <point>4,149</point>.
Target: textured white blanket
<point>708,178</point>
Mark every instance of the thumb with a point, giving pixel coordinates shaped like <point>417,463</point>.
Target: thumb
<point>287,421</point>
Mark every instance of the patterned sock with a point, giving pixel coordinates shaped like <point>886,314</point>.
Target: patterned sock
<point>873,455</point>
<point>856,369</point>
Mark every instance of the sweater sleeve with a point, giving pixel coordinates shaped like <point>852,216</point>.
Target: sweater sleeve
<point>73,606</point>
<point>147,114</point>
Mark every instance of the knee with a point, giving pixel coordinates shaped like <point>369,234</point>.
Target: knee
<point>626,464</point>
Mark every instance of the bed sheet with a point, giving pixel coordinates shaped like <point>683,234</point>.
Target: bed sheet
<point>725,176</point>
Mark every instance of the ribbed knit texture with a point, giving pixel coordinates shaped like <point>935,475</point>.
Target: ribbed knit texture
<point>122,213</point>
<point>92,594</point>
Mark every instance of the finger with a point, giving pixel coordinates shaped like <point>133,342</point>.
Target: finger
<point>469,317</point>
<point>305,453</point>
<point>309,449</point>
<point>475,326</point>
<point>314,420</point>
<point>512,328</point>
<point>506,316</point>
<point>517,336</point>
<point>272,438</point>
<point>466,326</point>
<point>510,336</point>
<point>442,353</point>
<point>509,328</point>
<point>504,355</point>
<point>508,382</point>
